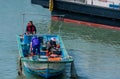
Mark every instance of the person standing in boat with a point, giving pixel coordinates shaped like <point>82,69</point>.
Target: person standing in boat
<point>31,29</point>
<point>35,45</point>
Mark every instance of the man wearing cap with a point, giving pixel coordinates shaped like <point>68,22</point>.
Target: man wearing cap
<point>51,44</point>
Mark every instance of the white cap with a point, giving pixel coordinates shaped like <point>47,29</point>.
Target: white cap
<point>53,39</point>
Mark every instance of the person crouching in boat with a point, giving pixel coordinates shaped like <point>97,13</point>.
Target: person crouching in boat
<point>35,46</point>
<point>30,29</point>
<point>51,44</point>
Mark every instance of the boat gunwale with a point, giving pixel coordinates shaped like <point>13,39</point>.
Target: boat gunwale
<point>47,61</point>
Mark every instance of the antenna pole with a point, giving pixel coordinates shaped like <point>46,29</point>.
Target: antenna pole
<point>61,18</point>
<point>23,17</point>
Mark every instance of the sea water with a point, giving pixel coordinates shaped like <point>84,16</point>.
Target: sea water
<point>96,51</point>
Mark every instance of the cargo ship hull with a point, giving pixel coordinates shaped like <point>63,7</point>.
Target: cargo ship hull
<point>82,12</point>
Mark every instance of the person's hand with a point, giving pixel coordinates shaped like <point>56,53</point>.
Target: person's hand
<point>27,33</point>
<point>34,32</point>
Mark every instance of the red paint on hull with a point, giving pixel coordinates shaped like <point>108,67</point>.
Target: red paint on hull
<point>88,23</point>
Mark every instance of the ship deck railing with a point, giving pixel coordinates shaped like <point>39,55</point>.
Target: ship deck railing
<point>93,3</point>
<point>75,1</point>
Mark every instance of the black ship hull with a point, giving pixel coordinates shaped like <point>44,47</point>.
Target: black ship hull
<point>82,12</point>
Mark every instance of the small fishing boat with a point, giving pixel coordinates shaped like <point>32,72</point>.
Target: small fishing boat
<point>45,65</point>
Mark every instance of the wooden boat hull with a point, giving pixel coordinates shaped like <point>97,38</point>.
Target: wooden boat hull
<point>46,70</point>
<point>43,66</point>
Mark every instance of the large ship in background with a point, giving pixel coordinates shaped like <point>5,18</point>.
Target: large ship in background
<point>95,12</point>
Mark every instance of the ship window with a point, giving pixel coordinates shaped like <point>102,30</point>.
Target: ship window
<point>83,1</point>
<point>80,1</point>
<point>103,0</point>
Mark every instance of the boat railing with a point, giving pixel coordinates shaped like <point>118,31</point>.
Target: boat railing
<point>68,59</point>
